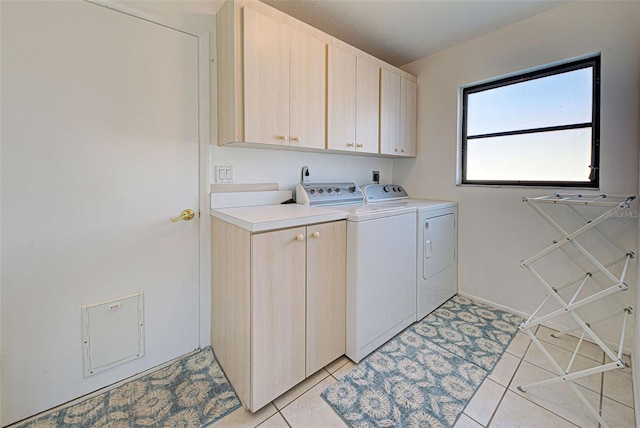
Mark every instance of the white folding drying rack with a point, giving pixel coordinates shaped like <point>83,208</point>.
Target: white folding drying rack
<point>609,205</point>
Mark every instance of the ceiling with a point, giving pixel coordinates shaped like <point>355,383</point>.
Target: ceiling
<point>396,31</point>
<point>402,31</point>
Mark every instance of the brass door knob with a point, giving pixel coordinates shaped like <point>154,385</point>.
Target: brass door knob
<point>187,215</point>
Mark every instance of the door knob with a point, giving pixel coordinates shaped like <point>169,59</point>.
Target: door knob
<point>187,215</point>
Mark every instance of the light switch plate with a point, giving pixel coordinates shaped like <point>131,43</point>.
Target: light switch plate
<point>223,174</point>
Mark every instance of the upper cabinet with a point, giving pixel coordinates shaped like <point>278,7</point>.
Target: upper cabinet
<point>397,115</point>
<point>266,79</point>
<point>341,100</point>
<point>307,91</point>
<point>408,117</point>
<point>352,103</point>
<point>282,83</point>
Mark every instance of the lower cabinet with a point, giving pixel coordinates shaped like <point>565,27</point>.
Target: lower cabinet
<point>278,305</point>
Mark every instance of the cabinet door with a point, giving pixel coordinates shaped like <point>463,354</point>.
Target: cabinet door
<point>341,100</point>
<point>408,116</point>
<point>277,313</point>
<point>367,106</point>
<point>389,113</point>
<point>308,91</point>
<point>266,79</point>
<point>326,294</point>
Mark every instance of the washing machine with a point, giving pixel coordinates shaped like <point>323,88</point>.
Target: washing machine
<point>436,241</point>
<point>381,264</point>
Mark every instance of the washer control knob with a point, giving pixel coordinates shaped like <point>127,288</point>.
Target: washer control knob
<point>352,189</point>
<point>312,191</point>
<point>329,190</point>
<point>321,191</point>
<point>386,189</point>
<point>337,190</point>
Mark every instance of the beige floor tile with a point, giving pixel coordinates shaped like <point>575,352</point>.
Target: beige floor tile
<point>618,386</point>
<point>515,412</point>
<point>562,357</point>
<point>616,414</point>
<point>335,365</point>
<point>557,398</point>
<point>519,344</point>
<point>311,411</point>
<point>275,421</point>
<point>240,418</point>
<point>465,421</point>
<point>587,349</point>
<point>485,401</point>
<point>300,388</point>
<point>344,370</point>
<point>505,369</point>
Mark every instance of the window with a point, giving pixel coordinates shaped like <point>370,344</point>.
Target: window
<point>539,128</point>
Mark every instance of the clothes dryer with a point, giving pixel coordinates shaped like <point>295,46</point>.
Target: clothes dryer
<point>436,244</point>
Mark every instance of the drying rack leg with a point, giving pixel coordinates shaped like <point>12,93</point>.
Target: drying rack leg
<point>563,377</point>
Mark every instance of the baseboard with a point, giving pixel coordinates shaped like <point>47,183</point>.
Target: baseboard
<point>550,324</point>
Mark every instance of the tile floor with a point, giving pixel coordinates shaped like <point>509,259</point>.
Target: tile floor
<point>497,403</point>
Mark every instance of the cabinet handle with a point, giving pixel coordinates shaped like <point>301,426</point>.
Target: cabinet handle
<point>316,234</point>
<point>300,237</point>
<point>281,137</point>
<point>360,145</point>
<point>350,144</point>
<point>296,138</point>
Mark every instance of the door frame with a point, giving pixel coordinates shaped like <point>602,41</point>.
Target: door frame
<point>204,182</point>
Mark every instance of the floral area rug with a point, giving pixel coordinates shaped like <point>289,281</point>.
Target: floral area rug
<point>192,392</point>
<point>425,376</point>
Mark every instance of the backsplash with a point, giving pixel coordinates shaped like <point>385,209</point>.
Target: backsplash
<point>284,167</point>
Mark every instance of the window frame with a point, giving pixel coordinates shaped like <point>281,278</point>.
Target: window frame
<point>594,181</point>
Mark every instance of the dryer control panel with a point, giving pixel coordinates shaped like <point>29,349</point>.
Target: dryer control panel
<point>384,192</point>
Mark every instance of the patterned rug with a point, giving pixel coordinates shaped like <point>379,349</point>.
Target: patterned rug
<point>426,375</point>
<point>192,392</point>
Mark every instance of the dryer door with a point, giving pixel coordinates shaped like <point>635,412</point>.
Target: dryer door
<point>438,244</point>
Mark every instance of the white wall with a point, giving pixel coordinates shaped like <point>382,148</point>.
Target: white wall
<point>497,230</point>
<point>636,346</point>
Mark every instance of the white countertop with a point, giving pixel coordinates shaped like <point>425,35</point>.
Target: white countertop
<point>269,217</point>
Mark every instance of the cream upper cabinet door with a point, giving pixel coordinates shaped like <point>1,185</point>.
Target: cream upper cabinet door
<point>277,313</point>
<point>408,117</point>
<point>266,79</point>
<point>308,60</point>
<point>367,106</point>
<point>341,100</point>
<point>389,113</point>
<point>326,293</point>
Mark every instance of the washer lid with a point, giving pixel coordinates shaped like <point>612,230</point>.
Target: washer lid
<point>376,211</point>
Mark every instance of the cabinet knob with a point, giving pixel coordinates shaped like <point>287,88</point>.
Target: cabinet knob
<point>281,137</point>
<point>295,138</point>
<point>395,150</point>
<point>350,144</point>
<point>316,234</point>
<point>360,145</point>
<point>300,237</point>
<point>403,150</point>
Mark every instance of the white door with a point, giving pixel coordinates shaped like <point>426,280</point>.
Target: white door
<point>99,150</point>
<point>439,244</point>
